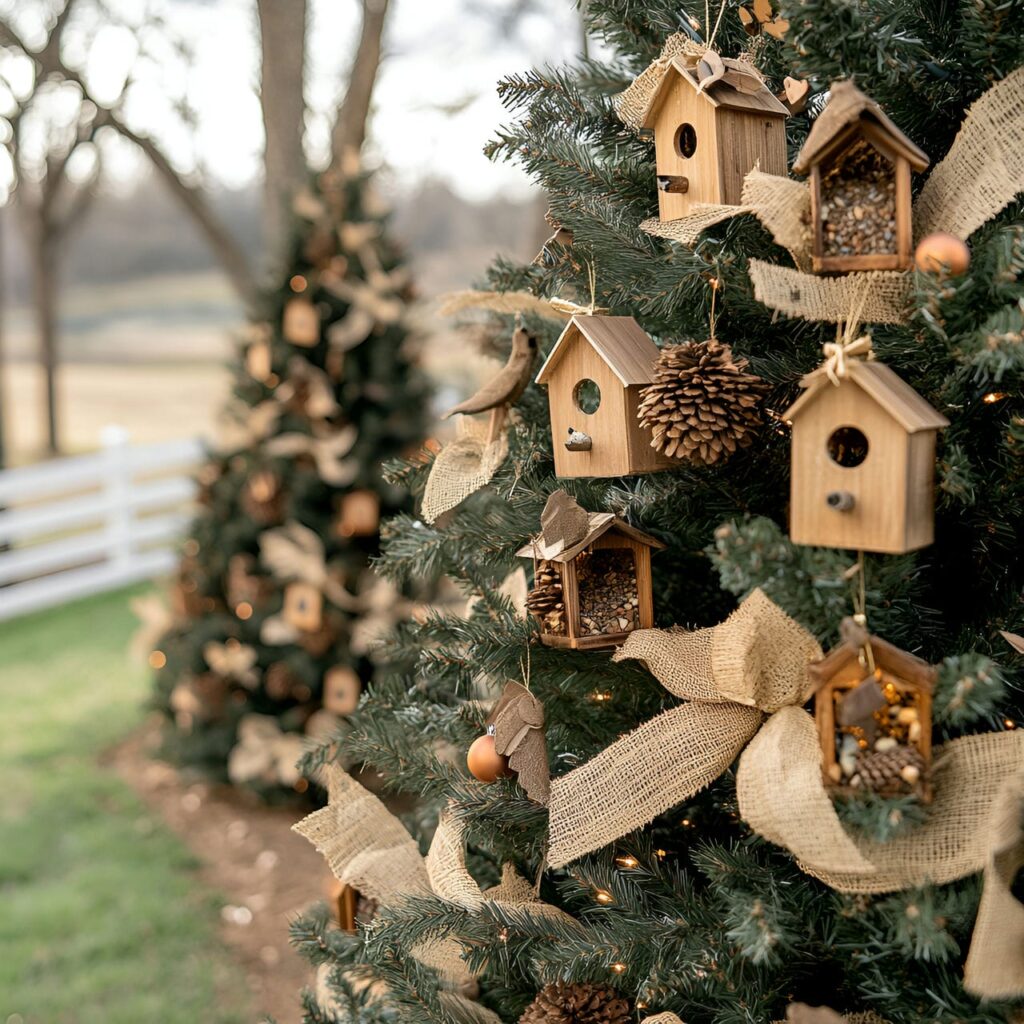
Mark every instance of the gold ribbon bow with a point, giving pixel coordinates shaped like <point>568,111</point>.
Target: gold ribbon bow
<point>744,682</point>
<point>838,354</point>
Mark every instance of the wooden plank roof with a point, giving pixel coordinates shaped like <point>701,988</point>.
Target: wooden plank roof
<point>619,340</point>
<point>887,657</point>
<point>848,106</point>
<point>887,388</point>
<point>599,523</point>
<point>721,94</point>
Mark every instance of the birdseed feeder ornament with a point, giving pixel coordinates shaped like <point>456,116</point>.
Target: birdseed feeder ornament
<point>873,710</point>
<point>592,576</point>
<point>863,456</point>
<point>859,164</point>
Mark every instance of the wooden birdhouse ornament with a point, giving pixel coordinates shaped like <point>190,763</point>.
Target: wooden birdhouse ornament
<point>863,457</point>
<point>303,606</point>
<point>873,710</point>
<point>342,689</point>
<point>592,576</point>
<point>713,123</point>
<point>594,375</point>
<point>859,164</point>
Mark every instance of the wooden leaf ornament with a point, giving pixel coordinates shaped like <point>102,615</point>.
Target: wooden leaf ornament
<point>758,17</point>
<point>518,721</point>
<point>710,69</point>
<point>1014,640</point>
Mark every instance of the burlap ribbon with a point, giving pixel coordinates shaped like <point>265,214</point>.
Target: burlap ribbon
<point>979,176</point>
<point>839,353</point>
<point>744,682</point>
<point>367,847</point>
<point>462,467</point>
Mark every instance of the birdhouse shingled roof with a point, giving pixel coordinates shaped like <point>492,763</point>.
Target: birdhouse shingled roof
<point>598,524</point>
<point>887,657</point>
<point>848,106</point>
<point>888,389</point>
<point>619,340</point>
<point>718,94</point>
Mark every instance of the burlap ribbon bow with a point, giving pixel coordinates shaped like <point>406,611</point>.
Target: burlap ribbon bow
<point>838,354</point>
<point>743,683</point>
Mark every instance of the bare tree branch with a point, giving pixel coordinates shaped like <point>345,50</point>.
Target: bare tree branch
<point>349,130</point>
<point>283,43</point>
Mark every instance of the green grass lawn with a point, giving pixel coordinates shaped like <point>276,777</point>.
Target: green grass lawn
<point>101,916</point>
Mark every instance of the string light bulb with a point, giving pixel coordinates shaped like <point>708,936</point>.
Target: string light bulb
<point>297,283</point>
<point>1009,723</point>
<point>600,696</point>
<point>604,897</point>
<point>994,396</point>
<point>627,860</point>
<point>618,968</point>
<point>157,659</point>
<point>243,610</point>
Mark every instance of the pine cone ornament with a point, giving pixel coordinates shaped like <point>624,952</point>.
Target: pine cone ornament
<point>577,1003</point>
<point>546,600</point>
<point>702,405</point>
<point>546,595</point>
<point>889,772</point>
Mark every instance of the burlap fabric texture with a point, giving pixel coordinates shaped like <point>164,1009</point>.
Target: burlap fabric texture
<point>367,847</point>
<point>462,467</point>
<point>980,175</point>
<point>755,665</point>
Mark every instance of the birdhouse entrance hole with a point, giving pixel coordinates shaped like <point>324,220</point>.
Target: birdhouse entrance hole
<point>847,447</point>
<point>686,140</point>
<point>587,396</point>
<point>858,203</point>
<point>608,594</point>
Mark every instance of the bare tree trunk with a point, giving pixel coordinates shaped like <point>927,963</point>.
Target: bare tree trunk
<point>45,296</point>
<point>283,41</point>
<point>349,130</point>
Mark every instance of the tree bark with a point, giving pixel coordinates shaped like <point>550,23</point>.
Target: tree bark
<point>283,42</point>
<point>44,283</point>
<point>349,131</point>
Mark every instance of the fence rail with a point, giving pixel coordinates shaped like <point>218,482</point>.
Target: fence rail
<point>89,523</point>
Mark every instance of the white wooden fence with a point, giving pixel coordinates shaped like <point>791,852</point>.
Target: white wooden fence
<point>82,525</point>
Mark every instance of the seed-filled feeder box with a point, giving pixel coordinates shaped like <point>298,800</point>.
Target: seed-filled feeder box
<point>862,462</point>
<point>859,164</point>
<point>873,709</point>
<point>592,576</point>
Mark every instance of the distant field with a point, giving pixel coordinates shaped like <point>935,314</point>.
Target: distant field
<point>149,355</point>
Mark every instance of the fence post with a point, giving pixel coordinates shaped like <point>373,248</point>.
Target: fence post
<point>117,486</point>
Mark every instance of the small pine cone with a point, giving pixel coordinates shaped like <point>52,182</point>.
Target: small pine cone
<point>577,1003</point>
<point>880,770</point>
<point>702,404</point>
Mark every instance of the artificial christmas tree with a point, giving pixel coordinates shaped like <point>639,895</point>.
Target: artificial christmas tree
<point>276,572</point>
<point>691,855</point>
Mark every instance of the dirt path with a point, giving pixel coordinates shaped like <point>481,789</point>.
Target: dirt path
<point>265,873</point>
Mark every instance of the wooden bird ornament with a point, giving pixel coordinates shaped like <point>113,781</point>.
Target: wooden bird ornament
<point>507,387</point>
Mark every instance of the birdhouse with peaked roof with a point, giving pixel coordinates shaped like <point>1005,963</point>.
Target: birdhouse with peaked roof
<point>713,124</point>
<point>873,711</point>
<point>859,164</point>
<point>862,461</point>
<point>594,375</point>
<point>592,576</point>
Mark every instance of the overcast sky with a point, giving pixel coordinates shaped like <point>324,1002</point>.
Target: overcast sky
<point>436,104</point>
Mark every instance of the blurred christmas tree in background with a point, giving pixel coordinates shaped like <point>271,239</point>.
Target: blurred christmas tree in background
<point>275,610</point>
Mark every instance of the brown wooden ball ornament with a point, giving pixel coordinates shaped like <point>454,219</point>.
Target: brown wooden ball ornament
<point>483,761</point>
<point>942,253</point>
